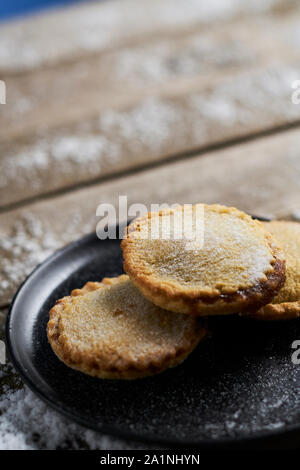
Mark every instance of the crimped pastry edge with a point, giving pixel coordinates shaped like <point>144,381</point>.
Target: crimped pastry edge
<point>283,310</point>
<point>277,312</point>
<point>170,296</point>
<point>108,366</point>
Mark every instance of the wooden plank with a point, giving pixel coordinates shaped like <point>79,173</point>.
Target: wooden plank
<point>148,131</point>
<point>73,91</point>
<point>50,97</point>
<point>54,36</point>
<point>178,91</point>
<point>261,177</point>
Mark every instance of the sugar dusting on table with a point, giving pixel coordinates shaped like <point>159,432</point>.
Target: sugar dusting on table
<point>27,423</point>
<point>247,397</point>
<point>30,241</point>
<point>92,28</point>
<point>152,128</point>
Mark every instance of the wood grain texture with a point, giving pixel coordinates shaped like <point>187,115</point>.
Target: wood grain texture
<point>148,131</point>
<point>261,177</point>
<point>67,34</point>
<point>70,91</point>
<point>203,77</point>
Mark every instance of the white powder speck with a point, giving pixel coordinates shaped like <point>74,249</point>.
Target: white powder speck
<point>240,100</point>
<point>29,243</point>
<point>150,129</point>
<point>147,125</point>
<point>69,153</point>
<point>93,27</point>
<point>197,54</point>
<point>27,423</point>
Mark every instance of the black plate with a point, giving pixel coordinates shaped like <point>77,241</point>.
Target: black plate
<point>239,387</point>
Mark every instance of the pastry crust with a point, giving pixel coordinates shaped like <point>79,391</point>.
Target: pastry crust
<point>240,266</point>
<point>109,330</point>
<point>286,305</point>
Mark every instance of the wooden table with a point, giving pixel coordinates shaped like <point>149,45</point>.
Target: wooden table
<point>157,100</point>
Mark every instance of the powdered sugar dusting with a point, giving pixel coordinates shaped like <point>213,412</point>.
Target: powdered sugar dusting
<point>57,158</point>
<point>166,59</point>
<point>30,242</point>
<point>93,27</point>
<point>149,125</point>
<point>148,130</point>
<point>235,250</point>
<point>115,140</point>
<point>121,320</point>
<point>158,123</point>
<point>238,101</point>
<point>26,423</point>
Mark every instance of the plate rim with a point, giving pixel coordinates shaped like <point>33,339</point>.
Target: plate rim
<point>225,442</point>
